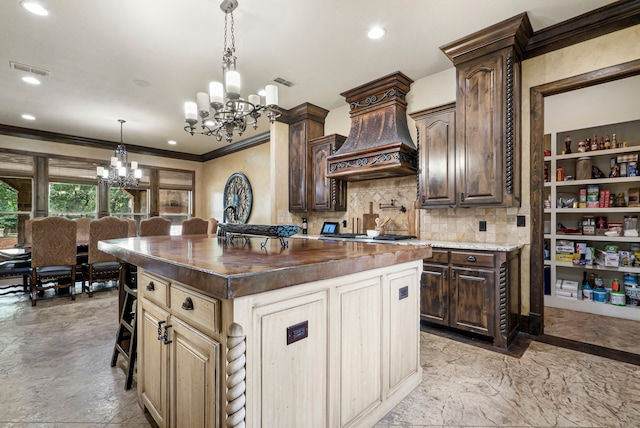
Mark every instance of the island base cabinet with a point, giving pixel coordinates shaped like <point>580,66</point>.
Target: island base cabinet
<point>178,365</point>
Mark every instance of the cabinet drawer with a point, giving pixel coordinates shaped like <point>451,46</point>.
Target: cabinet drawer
<point>470,258</point>
<point>154,288</point>
<point>439,256</point>
<point>200,311</point>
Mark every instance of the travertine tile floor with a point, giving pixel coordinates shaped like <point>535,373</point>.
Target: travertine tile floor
<point>55,372</point>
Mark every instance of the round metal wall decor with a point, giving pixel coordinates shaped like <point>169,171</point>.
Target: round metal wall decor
<point>238,199</point>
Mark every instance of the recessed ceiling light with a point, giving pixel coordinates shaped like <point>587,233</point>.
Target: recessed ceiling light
<point>31,80</point>
<point>35,8</point>
<point>28,117</point>
<point>376,33</point>
<point>172,143</point>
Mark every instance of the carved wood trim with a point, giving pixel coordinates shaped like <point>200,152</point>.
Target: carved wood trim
<point>236,374</point>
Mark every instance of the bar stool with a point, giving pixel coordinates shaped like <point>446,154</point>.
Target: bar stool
<point>127,337</point>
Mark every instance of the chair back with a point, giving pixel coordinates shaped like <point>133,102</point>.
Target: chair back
<point>213,226</point>
<point>155,226</point>
<point>27,233</point>
<point>132,227</point>
<point>195,226</point>
<point>53,242</point>
<point>82,235</point>
<point>102,230</point>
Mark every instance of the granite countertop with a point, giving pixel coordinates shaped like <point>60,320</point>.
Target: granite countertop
<point>230,269</point>
<point>477,246</point>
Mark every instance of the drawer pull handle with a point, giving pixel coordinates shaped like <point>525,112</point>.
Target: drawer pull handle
<point>471,259</point>
<point>187,305</point>
<point>151,286</point>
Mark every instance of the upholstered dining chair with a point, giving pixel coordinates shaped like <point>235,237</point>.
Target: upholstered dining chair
<point>132,227</point>
<point>53,255</point>
<point>195,226</point>
<point>155,226</point>
<point>213,226</point>
<point>102,267</point>
<point>82,234</point>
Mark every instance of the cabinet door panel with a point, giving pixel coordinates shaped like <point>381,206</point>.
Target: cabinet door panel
<point>434,294</point>
<point>294,372</point>
<point>194,378</point>
<point>298,167</point>
<point>152,368</point>
<point>403,328</point>
<point>361,342</point>
<point>472,300</point>
<point>479,131</point>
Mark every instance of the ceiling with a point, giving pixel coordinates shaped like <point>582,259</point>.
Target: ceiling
<point>96,51</point>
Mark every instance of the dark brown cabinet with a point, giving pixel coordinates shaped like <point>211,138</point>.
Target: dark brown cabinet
<point>327,194</point>
<point>306,123</point>
<point>487,113</point>
<point>436,140</point>
<point>474,291</point>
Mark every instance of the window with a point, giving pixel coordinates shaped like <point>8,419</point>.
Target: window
<point>176,197</point>
<point>72,200</point>
<point>16,197</point>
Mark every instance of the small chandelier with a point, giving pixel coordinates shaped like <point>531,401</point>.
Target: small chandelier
<point>222,110</point>
<point>120,172</point>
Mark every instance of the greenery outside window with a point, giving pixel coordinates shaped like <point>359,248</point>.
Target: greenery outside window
<point>73,200</point>
<point>15,200</point>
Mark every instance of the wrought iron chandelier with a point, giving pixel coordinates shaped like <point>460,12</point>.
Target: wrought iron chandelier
<point>120,172</point>
<point>222,111</point>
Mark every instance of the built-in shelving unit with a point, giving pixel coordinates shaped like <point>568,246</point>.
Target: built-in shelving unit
<point>571,218</point>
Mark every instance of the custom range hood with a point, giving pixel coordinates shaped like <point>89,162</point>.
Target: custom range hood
<point>379,144</point>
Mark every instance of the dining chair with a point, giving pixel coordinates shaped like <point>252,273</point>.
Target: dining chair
<point>82,235</point>
<point>53,255</point>
<point>155,226</point>
<point>195,226</point>
<point>132,227</point>
<point>102,267</point>
<point>213,226</point>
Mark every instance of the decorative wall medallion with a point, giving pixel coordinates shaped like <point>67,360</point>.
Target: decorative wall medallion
<point>238,199</point>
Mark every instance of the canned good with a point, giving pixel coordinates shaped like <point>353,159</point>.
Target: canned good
<point>588,225</point>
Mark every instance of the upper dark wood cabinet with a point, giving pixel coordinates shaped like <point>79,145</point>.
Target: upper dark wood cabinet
<point>306,123</point>
<point>327,194</point>
<point>436,149</point>
<point>487,113</point>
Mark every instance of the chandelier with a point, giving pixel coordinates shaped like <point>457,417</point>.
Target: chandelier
<point>222,110</point>
<point>120,172</point>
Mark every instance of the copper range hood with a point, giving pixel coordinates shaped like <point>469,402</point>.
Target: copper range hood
<point>379,144</point>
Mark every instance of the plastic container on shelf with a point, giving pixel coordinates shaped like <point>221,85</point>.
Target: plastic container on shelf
<point>600,295</point>
<point>630,225</point>
<point>618,298</point>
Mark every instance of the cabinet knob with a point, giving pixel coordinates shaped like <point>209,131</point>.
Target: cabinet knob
<point>471,258</point>
<point>187,305</point>
<point>151,286</point>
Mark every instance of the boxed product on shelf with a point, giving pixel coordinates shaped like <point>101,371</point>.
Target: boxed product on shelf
<point>626,258</point>
<point>608,259</point>
<point>634,197</point>
<point>593,192</point>
<point>566,294</point>
<point>564,258</point>
<point>582,198</point>
<point>569,285</point>
<point>567,247</point>
<point>590,256</point>
<point>604,198</point>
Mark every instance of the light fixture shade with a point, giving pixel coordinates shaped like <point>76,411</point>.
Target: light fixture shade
<point>233,84</point>
<point>271,95</point>
<point>100,171</point>
<point>190,110</point>
<point>202,98</point>
<point>137,174</point>
<point>114,161</point>
<point>254,99</point>
<point>216,93</point>
<point>134,165</point>
<point>122,171</point>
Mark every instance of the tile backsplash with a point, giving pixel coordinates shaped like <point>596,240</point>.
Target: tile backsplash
<point>441,224</point>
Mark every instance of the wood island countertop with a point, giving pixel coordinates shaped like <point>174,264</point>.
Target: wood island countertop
<point>229,269</point>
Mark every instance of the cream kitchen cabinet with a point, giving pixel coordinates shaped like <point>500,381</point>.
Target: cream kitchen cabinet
<point>178,372</point>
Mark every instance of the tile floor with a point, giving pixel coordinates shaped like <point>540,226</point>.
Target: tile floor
<point>54,372</point>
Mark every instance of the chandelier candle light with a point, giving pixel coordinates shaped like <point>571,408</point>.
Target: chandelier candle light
<point>120,172</point>
<point>222,110</point>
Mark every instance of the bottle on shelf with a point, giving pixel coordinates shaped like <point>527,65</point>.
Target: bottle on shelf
<point>614,142</point>
<point>585,284</point>
<point>601,146</point>
<point>567,145</point>
<point>594,143</point>
<point>607,142</point>
<point>587,144</point>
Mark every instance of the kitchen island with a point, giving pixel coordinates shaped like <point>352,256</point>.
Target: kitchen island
<point>314,334</point>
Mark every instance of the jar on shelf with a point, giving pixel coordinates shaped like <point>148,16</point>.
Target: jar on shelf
<point>588,225</point>
<point>583,169</point>
<point>630,225</point>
